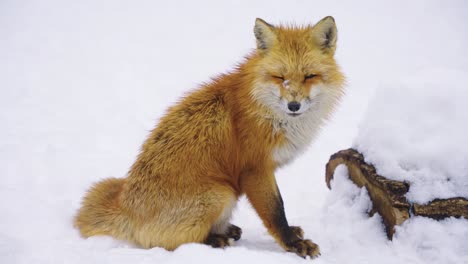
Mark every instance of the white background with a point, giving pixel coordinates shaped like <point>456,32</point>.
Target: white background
<point>83,82</point>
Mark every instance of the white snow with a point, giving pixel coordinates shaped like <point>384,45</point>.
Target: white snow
<point>82,83</point>
<point>417,131</point>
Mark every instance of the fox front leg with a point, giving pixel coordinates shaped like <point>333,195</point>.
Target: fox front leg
<point>264,195</point>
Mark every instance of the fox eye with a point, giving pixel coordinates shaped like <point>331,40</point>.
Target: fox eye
<point>309,76</point>
<point>278,77</point>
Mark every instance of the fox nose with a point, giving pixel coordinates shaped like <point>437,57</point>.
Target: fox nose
<point>294,106</point>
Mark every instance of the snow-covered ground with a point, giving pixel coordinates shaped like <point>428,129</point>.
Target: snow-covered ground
<point>82,83</point>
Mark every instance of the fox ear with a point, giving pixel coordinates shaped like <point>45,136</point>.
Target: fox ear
<point>324,33</point>
<point>265,34</point>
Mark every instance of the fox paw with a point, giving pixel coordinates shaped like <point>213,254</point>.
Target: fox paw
<point>234,232</point>
<point>218,241</point>
<point>304,248</point>
<point>297,230</point>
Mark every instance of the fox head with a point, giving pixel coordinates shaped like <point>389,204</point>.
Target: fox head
<point>295,68</point>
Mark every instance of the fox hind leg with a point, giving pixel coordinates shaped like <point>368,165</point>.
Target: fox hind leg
<point>192,223</point>
<point>234,232</point>
<point>218,240</point>
<point>221,226</point>
<point>222,232</point>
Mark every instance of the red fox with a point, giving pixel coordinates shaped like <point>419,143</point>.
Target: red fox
<point>224,140</point>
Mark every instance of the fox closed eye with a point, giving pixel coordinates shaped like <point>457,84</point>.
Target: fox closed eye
<point>278,77</point>
<point>309,76</point>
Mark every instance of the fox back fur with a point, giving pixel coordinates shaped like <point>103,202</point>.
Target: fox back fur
<point>224,140</point>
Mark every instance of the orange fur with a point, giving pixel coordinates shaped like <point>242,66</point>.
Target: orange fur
<point>216,144</point>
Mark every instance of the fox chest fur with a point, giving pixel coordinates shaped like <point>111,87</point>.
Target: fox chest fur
<point>298,133</point>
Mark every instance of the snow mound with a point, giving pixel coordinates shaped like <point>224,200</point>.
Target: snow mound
<point>358,238</point>
<point>417,130</point>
